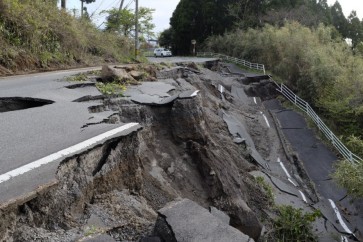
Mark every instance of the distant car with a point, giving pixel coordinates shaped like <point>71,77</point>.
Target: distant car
<point>162,52</point>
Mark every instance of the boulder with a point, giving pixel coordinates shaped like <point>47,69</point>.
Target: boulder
<point>110,74</point>
<point>138,75</point>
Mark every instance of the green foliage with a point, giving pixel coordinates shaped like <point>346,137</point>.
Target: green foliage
<point>166,38</point>
<point>198,19</point>
<point>350,177</point>
<point>268,189</point>
<point>36,34</point>
<point>355,144</point>
<point>123,22</point>
<point>322,69</point>
<point>294,225</point>
<point>111,88</point>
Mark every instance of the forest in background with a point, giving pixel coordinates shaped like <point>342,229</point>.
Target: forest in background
<point>199,19</point>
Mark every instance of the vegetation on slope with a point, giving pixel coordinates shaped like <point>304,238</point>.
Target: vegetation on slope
<point>35,34</point>
<point>314,62</point>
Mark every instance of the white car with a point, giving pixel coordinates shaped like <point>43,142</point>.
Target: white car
<point>162,52</point>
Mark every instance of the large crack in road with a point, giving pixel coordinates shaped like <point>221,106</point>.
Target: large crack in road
<point>202,143</point>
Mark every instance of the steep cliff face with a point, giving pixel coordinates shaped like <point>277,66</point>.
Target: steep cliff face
<point>184,150</point>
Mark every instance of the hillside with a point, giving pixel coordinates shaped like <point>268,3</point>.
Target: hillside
<point>36,35</point>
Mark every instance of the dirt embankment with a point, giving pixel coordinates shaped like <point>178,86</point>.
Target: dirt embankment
<point>184,150</point>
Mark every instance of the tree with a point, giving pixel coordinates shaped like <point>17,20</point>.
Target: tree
<point>355,28</point>
<point>198,19</point>
<point>123,22</point>
<point>338,19</point>
<point>165,38</point>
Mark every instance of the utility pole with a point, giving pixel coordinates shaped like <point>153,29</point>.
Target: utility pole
<point>63,4</point>
<point>121,5</point>
<point>136,29</point>
<point>119,10</point>
<point>81,9</point>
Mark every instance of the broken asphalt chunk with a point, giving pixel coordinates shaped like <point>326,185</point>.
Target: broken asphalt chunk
<point>185,220</point>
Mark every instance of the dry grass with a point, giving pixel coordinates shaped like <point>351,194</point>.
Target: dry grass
<point>35,34</point>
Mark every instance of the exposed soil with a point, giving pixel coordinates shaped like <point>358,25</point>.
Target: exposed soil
<point>184,150</point>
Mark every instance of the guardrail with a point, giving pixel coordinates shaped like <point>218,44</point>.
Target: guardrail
<point>147,53</point>
<point>254,66</point>
<point>304,106</point>
<point>300,103</point>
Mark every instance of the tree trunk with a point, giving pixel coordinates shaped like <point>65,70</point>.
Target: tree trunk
<point>81,9</point>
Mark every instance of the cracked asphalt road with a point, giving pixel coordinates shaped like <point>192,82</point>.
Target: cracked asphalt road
<point>318,162</point>
<point>31,134</point>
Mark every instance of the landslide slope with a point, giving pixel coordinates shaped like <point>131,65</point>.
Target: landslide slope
<point>185,150</point>
<point>36,35</point>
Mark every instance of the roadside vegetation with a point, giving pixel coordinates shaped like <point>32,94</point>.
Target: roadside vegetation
<point>350,176</point>
<point>36,35</point>
<point>318,65</point>
<point>293,224</point>
<point>290,224</point>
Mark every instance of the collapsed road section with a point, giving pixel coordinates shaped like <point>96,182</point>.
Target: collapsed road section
<point>189,174</point>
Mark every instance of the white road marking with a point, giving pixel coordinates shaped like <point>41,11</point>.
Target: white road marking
<point>254,99</point>
<point>195,93</point>
<point>344,239</point>
<point>266,120</point>
<point>303,196</point>
<point>292,182</point>
<point>71,150</point>
<point>286,172</point>
<point>283,167</point>
<point>339,216</point>
<point>221,88</point>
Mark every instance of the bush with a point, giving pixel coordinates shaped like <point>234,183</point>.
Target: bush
<point>294,225</point>
<point>350,177</point>
<point>355,145</point>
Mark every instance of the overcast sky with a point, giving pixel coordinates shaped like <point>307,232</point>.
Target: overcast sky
<point>349,5</point>
<point>165,8</point>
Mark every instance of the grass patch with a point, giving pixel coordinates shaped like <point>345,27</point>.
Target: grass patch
<point>92,230</point>
<point>80,77</point>
<point>267,188</point>
<point>111,88</point>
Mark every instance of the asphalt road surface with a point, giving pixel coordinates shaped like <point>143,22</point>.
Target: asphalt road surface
<point>29,135</point>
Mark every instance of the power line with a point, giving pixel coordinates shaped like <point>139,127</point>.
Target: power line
<point>128,5</point>
<point>94,12</point>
